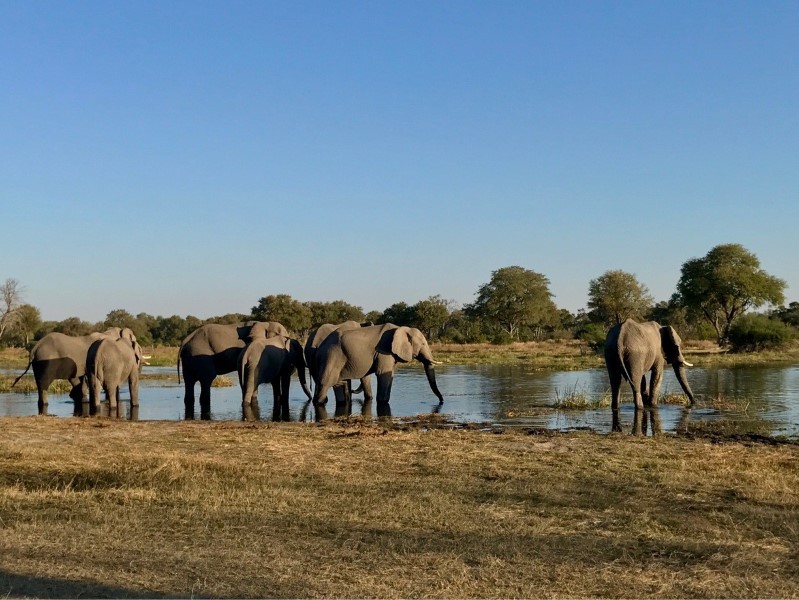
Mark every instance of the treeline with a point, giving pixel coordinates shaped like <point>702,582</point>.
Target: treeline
<point>714,299</point>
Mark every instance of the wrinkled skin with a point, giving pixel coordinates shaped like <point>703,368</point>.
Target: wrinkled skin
<point>358,353</point>
<point>271,360</point>
<point>343,391</point>
<point>61,356</point>
<point>109,364</point>
<point>632,349</point>
<point>212,350</point>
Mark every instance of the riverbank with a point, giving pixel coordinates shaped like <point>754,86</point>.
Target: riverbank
<point>568,355</point>
<point>346,509</point>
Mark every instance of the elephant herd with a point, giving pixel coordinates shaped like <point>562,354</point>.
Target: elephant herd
<point>91,363</point>
<point>261,353</point>
<point>334,354</point>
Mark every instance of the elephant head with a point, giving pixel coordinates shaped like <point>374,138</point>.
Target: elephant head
<point>671,345</point>
<point>407,343</point>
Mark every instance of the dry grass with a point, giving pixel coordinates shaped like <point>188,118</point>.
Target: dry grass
<point>124,509</point>
<point>27,385</point>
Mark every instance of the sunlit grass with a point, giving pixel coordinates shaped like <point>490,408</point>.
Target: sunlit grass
<point>98,507</point>
<point>27,385</point>
<point>573,398</point>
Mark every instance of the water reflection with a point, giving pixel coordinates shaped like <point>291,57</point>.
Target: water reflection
<point>757,398</point>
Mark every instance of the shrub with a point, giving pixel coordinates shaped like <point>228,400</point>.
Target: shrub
<point>751,333</point>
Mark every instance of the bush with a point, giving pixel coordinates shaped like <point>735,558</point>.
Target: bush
<point>594,335</point>
<point>751,333</point>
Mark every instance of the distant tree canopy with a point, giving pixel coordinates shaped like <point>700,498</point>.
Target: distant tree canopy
<point>293,314</point>
<point>617,295</point>
<point>515,298</point>
<point>724,284</point>
<point>515,305</point>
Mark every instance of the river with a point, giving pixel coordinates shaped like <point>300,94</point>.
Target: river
<point>763,398</point>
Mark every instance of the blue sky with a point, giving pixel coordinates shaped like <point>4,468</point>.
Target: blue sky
<point>192,157</point>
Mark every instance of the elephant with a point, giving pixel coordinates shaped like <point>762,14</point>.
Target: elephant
<point>357,353</point>
<point>632,349</point>
<point>61,356</point>
<point>109,363</point>
<point>344,391</point>
<point>212,350</point>
<point>271,360</point>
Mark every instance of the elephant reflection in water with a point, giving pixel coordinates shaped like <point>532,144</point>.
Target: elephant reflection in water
<point>648,419</point>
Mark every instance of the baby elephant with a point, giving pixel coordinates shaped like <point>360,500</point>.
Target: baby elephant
<point>108,365</point>
<point>271,360</point>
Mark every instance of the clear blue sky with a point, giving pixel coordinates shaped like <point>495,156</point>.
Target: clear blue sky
<point>192,157</point>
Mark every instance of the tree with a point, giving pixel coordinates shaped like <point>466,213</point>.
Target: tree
<point>10,301</point>
<point>170,331</point>
<point>514,298</point>
<point>398,313</point>
<point>293,314</point>
<point>74,326</point>
<point>140,326</point>
<point>724,284</point>
<point>27,323</point>
<point>431,315</point>
<point>617,295</point>
<point>334,312</point>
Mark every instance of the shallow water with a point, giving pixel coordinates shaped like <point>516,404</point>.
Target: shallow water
<point>761,399</point>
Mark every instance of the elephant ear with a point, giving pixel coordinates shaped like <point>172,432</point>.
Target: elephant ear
<point>401,345</point>
<point>670,342</point>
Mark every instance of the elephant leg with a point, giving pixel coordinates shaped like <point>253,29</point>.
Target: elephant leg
<point>112,392</point>
<point>654,385</point>
<point>384,383</point>
<point>205,398</point>
<point>615,388</point>
<point>343,397</point>
<point>635,385</point>
<point>188,396</point>
<point>276,405</point>
<point>285,386</point>
<point>366,384</point>
<point>133,386</point>
<point>644,395</point>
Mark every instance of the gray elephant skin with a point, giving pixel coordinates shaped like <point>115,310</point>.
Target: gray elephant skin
<point>61,356</point>
<point>343,391</point>
<point>212,350</point>
<point>632,349</point>
<point>357,353</point>
<point>271,360</point>
<point>110,363</point>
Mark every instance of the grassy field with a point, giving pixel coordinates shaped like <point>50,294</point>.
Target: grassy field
<point>103,508</point>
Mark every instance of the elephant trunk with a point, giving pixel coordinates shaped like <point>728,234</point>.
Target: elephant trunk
<point>301,377</point>
<point>679,371</point>
<point>430,371</point>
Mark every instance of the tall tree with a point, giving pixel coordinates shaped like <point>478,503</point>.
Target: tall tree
<point>28,321</point>
<point>431,315</point>
<point>724,284</point>
<point>293,314</point>
<point>10,301</point>
<point>617,295</point>
<point>514,298</point>
<point>398,313</point>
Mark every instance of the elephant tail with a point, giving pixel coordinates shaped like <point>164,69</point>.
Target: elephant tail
<point>30,362</point>
<point>620,354</point>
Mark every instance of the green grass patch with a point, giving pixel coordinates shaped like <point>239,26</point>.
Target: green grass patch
<point>27,385</point>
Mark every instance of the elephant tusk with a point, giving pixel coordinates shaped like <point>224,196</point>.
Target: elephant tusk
<point>435,362</point>
<point>687,364</point>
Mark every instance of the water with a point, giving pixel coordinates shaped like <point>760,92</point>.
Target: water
<point>760,399</point>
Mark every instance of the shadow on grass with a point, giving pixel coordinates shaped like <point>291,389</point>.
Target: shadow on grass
<point>13,585</point>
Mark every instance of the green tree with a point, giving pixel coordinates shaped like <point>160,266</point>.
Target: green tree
<point>724,284</point>
<point>27,323</point>
<point>334,312</point>
<point>74,326</point>
<point>293,314</point>
<point>431,315</point>
<point>122,318</point>
<point>753,332</point>
<point>229,319</point>
<point>514,298</point>
<point>170,331</point>
<point>789,314</point>
<point>398,313</point>
<point>617,295</point>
